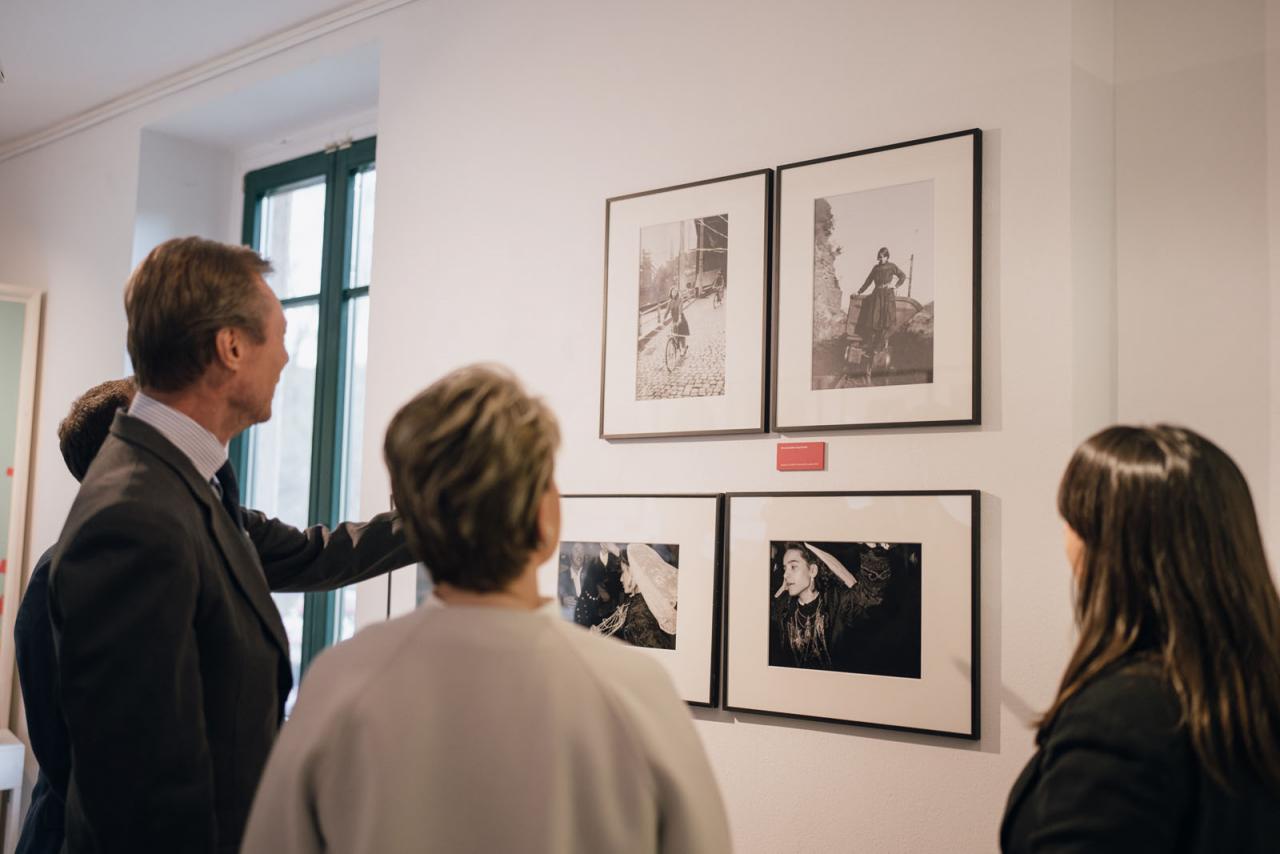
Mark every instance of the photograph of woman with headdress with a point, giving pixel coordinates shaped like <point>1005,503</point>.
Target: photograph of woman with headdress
<point>849,607</point>
<point>624,590</point>
<point>647,614</point>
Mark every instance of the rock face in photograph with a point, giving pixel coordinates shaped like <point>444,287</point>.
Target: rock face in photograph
<point>828,298</point>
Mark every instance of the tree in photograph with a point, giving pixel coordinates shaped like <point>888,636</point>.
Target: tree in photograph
<point>648,292</point>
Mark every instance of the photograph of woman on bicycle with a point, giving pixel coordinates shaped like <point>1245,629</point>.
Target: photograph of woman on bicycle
<point>680,331</point>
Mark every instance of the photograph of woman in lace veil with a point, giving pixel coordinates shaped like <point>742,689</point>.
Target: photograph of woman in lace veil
<point>624,590</point>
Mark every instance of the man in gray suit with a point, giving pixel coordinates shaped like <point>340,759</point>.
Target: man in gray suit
<point>483,721</point>
<point>173,662</point>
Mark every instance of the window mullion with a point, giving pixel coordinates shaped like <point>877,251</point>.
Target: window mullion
<point>290,302</point>
<point>321,469</point>
<point>340,238</point>
<point>320,616</point>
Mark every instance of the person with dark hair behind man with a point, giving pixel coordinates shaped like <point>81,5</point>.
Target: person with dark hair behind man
<point>80,435</point>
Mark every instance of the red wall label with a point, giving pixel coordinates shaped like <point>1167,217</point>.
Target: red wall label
<point>802,456</point>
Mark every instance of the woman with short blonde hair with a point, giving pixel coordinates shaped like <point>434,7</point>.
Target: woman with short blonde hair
<point>483,721</point>
<point>471,458</point>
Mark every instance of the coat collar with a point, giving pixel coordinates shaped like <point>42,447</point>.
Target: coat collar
<point>237,551</point>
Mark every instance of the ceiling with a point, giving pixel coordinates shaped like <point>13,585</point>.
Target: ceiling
<point>63,57</point>
<point>337,86</point>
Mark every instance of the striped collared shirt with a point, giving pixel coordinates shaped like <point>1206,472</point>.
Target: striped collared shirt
<point>200,446</point>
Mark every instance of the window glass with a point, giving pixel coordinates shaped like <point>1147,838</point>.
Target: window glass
<point>292,610</point>
<point>360,273</point>
<point>291,235</point>
<point>356,359</point>
<point>279,470</point>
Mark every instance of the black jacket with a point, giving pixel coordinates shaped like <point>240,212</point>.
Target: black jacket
<point>42,831</point>
<point>1117,773</point>
<point>173,662</point>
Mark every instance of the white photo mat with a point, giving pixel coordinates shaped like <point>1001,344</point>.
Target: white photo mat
<point>692,523</point>
<point>741,408</point>
<point>943,699</point>
<point>949,163</point>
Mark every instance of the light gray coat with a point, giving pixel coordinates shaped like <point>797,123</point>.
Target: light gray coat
<point>474,729</point>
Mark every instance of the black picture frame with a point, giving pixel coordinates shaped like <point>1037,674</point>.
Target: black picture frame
<point>743,408</point>
<point>695,669</point>
<point>857,685</point>
<point>790,412</point>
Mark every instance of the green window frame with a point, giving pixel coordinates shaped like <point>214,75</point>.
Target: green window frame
<point>339,167</point>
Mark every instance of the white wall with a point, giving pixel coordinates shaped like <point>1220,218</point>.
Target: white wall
<point>1273,235</point>
<point>1191,224</point>
<point>66,226</point>
<point>502,128</point>
<point>183,188</point>
<point>500,137</point>
<point>1093,215</point>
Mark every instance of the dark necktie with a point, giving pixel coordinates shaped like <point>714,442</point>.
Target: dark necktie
<point>230,492</point>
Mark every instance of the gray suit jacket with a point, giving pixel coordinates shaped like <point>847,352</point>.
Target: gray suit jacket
<point>172,658</point>
<point>474,729</point>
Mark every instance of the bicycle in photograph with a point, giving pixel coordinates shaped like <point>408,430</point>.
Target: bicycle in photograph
<point>677,348</point>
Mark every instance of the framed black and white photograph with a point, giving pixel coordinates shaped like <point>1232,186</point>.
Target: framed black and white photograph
<point>854,608</point>
<point>644,569</point>
<point>877,297</point>
<point>686,309</point>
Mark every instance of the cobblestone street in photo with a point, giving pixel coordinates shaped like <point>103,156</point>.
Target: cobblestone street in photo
<point>701,374</point>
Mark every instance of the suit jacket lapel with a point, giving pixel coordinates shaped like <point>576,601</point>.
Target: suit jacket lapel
<point>246,569</point>
<point>237,550</point>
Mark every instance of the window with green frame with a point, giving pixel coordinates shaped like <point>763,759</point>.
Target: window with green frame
<point>313,219</point>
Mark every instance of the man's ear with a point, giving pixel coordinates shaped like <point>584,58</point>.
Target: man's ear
<point>229,347</point>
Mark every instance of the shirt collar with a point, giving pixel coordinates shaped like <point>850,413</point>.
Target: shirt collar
<point>200,446</point>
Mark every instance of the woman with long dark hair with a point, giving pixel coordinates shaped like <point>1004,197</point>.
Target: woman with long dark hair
<point>1165,733</point>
